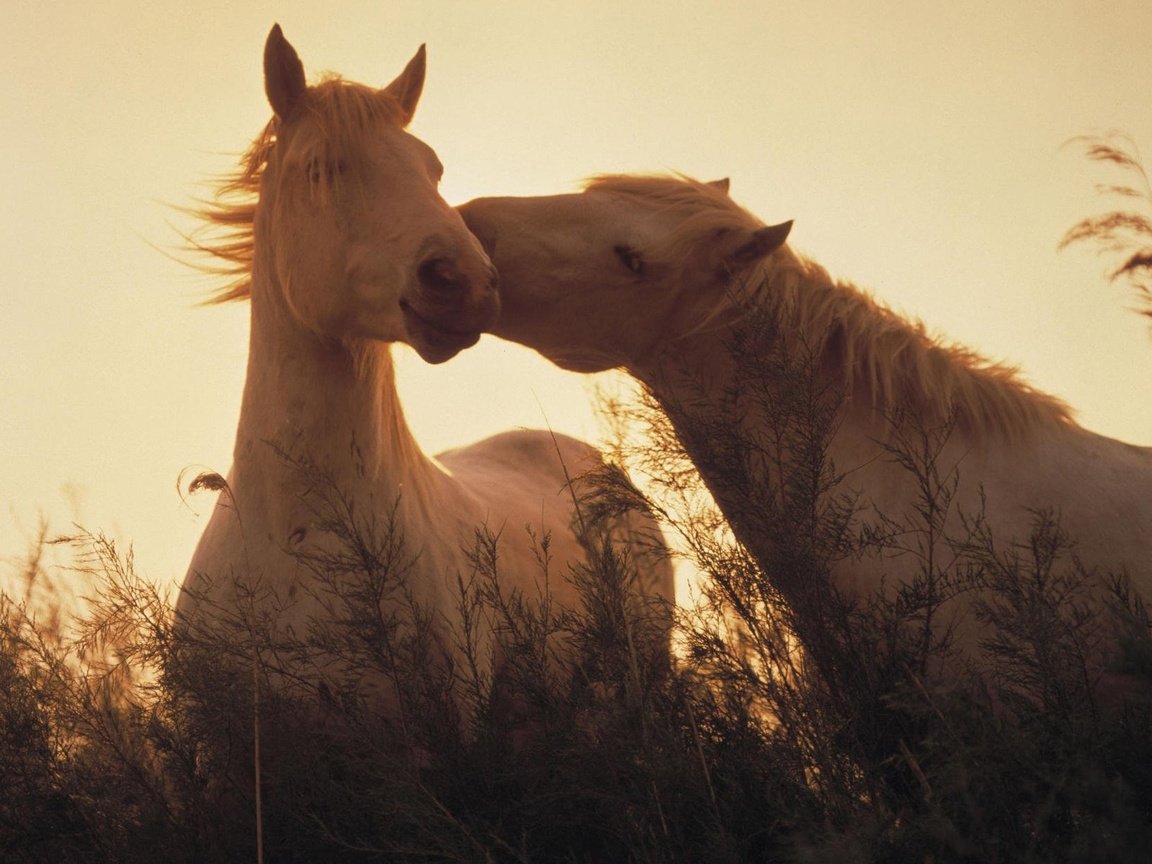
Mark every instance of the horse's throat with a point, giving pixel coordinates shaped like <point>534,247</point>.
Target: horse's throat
<point>311,402</point>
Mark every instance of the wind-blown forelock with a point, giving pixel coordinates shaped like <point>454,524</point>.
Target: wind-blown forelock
<point>893,360</point>
<point>345,112</point>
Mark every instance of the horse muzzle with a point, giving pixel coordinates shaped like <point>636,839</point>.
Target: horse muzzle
<point>452,301</point>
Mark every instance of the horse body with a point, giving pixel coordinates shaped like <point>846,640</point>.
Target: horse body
<point>337,235</point>
<point>669,279</point>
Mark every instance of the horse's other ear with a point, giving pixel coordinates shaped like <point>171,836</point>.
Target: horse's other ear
<point>283,74</point>
<point>762,243</point>
<point>408,86</point>
<point>721,184</point>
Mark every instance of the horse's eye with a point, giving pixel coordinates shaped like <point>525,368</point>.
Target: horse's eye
<point>631,259</point>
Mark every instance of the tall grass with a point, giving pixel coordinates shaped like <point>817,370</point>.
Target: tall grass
<point>1124,233</point>
<point>124,739</point>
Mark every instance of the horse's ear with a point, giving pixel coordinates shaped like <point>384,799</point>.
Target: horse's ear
<point>408,86</point>
<point>283,74</point>
<point>762,243</point>
<point>721,184</point>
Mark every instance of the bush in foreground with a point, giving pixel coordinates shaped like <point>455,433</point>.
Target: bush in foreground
<point>123,739</point>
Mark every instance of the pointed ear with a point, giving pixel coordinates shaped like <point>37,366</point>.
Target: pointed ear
<point>721,184</point>
<point>283,74</point>
<point>407,87</point>
<point>759,245</point>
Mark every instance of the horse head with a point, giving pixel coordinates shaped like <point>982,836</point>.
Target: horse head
<point>604,277</point>
<point>358,240</point>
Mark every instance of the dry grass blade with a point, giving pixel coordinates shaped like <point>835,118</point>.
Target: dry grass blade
<point>1123,232</point>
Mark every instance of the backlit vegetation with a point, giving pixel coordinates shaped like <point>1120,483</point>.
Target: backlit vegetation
<point>1125,233</point>
<point>122,739</point>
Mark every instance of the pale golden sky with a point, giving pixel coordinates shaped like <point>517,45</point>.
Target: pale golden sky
<point>919,152</point>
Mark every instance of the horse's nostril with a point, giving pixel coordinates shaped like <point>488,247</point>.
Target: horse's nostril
<point>440,274</point>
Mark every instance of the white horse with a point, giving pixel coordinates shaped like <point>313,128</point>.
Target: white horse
<point>334,230</point>
<point>669,279</point>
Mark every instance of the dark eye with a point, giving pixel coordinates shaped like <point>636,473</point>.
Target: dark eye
<point>631,259</point>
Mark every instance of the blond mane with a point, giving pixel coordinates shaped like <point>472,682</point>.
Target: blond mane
<point>226,237</point>
<point>896,362</point>
<point>892,359</point>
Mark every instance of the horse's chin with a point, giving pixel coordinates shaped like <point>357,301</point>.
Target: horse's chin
<point>434,352</point>
<point>584,362</point>
<point>434,341</point>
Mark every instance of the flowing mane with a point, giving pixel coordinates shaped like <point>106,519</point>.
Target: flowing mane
<point>893,359</point>
<point>896,362</point>
<point>226,236</point>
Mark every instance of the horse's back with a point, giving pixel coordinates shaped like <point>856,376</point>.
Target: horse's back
<point>526,452</point>
<point>547,479</point>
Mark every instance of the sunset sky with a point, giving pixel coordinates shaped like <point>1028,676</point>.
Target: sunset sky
<point>920,149</point>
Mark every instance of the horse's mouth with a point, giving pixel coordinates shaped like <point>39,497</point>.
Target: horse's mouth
<point>436,341</point>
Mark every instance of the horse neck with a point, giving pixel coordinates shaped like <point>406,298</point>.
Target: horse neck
<point>739,391</point>
<point>744,355</point>
<point>885,369</point>
<point>313,403</point>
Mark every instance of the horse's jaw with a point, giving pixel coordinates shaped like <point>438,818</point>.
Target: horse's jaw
<point>435,339</point>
